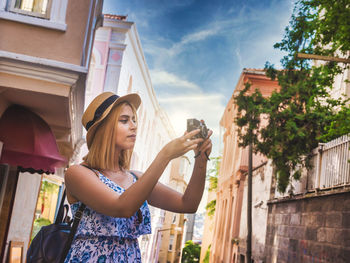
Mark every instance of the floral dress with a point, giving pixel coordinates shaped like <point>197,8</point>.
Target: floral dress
<point>100,238</point>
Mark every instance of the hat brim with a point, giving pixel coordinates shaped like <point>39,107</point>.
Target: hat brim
<point>132,98</point>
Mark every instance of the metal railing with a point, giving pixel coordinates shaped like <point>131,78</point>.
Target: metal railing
<point>331,167</point>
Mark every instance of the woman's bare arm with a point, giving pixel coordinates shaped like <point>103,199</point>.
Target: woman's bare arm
<point>83,185</point>
<point>166,198</point>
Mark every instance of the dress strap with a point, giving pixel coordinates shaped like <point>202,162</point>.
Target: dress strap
<point>92,169</point>
<point>136,178</point>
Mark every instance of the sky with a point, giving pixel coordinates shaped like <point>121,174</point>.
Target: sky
<point>196,50</point>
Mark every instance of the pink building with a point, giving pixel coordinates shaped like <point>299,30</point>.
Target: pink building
<point>45,49</point>
<point>227,225</point>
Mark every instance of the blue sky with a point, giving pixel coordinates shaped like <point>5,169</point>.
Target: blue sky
<point>196,50</point>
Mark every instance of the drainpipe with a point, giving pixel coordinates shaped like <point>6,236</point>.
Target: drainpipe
<point>83,61</point>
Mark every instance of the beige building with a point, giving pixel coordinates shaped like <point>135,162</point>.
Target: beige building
<point>45,51</point>
<point>231,181</point>
<point>208,230</point>
<point>170,237</point>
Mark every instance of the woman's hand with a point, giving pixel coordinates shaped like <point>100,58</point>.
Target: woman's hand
<point>204,149</point>
<point>181,145</point>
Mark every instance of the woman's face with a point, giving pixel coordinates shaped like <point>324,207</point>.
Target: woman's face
<point>126,129</point>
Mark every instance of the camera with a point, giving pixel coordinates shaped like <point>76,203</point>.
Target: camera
<point>193,124</point>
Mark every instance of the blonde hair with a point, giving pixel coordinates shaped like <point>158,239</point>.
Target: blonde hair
<point>101,154</point>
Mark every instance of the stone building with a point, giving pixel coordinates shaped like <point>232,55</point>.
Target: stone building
<point>310,222</point>
<point>45,49</point>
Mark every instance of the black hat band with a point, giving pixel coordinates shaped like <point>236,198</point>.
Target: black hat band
<point>101,109</point>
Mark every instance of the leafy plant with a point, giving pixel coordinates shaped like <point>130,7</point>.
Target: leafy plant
<point>302,113</point>
<point>212,177</point>
<point>207,255</point>
<point>210,207</point>
<point>191,252</point>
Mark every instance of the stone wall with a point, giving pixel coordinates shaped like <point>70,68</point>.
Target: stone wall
<point>315,228</point>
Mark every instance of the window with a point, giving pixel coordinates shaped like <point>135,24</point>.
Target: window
<point>171,242</point>
<point>39,8</point>
<point>43,13</point>
<point>48,203</point>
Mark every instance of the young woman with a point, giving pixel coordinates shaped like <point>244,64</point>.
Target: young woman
<point>117,199</point>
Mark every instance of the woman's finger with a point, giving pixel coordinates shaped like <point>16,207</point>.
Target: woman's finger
<point>205,145</point>
<point>190,134</point>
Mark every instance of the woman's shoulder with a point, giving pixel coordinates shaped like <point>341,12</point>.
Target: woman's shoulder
<point>77,169</point>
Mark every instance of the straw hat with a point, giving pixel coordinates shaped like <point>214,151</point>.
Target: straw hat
<point>99,109</point>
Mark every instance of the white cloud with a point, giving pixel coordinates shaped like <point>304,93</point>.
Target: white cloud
<point>192,38</point>
<point>160,78</point>
<point>209,107</point>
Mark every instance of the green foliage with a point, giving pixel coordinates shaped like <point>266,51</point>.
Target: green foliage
<point>207,255</point>
<point>213,173</point>
<point>210,207</point>
<point>191,252</point>
<point>212,177</point>
<point>339,126</point>
<point>47,187</point>
<point>302,113</point>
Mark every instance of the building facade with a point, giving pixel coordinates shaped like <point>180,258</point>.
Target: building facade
<point>231,181</point>
<point>307,223</point>
<point>208,229</point>
<point>45,51</point>
<point>171,237</point>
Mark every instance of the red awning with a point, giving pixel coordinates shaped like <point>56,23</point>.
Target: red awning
<point>28,141</point>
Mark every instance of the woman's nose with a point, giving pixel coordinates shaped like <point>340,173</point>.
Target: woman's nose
<point>133,125</point>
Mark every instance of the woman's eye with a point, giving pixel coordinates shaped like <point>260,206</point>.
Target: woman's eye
<point>124,121</point>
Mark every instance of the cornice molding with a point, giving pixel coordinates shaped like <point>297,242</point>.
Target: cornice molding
<point>122,26</point>
<point>40,68</point>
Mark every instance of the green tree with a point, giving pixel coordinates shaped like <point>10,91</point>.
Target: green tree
<point>207,255</point>
<point>302,113</point>
<point>212,177</point>
<point>191,252</point>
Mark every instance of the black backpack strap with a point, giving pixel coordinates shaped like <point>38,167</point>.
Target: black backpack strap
<point>60,213</point>
<point>77,217</point>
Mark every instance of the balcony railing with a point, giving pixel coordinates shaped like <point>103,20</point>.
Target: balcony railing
<point>331,168</point>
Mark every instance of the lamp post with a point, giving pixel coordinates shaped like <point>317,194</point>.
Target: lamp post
<point>249,205</point>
